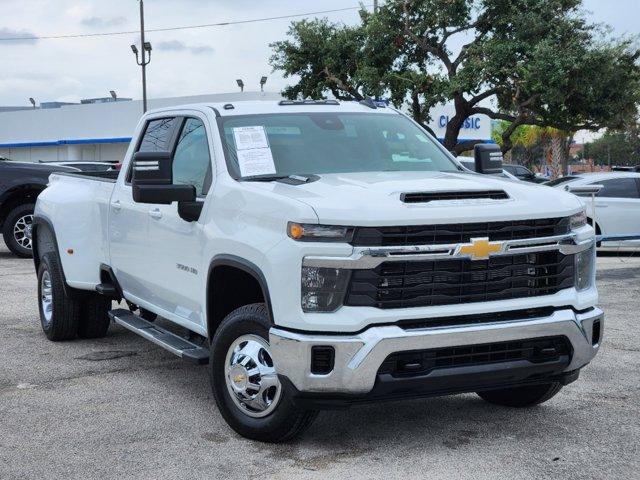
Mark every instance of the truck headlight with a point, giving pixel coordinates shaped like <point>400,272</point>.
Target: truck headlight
<point>578,220</point>
<point>585,265</point>
<point>323,289</point>
<point>308,232</point>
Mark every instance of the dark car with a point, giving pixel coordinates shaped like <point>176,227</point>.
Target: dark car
<point>523,173</point>
<point>20,184</point>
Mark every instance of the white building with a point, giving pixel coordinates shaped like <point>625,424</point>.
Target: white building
<point>87,132</point>
<point>102,131</point>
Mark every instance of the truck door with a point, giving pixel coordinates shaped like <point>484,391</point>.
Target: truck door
<point>129,238</point>
<point>176,274</point>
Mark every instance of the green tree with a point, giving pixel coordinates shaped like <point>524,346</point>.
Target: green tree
<point>616,147</point>
<point>528,62</point>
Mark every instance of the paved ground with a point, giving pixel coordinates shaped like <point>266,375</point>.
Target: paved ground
<point>121,408</point>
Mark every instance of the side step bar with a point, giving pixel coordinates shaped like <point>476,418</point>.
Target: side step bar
<point>169,341</point>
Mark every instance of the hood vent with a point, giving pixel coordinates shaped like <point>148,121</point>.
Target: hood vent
<point>426,197</point>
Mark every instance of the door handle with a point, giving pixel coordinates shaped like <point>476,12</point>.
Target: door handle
<point>601,205</point>
<point>155,213</point>
<point>115,205</point>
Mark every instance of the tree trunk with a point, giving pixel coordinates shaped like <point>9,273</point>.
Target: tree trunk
<point>557,154</point>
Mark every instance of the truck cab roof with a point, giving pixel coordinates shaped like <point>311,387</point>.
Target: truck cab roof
<point>258,107</point>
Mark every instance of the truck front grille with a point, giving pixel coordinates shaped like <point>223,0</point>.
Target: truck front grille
<point>405,284</point>
<point>459,232</point>
<point>422,362</point>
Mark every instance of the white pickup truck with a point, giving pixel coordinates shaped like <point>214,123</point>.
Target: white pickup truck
<point>320,255</point>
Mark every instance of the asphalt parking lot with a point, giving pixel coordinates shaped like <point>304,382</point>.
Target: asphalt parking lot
<point>119,407</point>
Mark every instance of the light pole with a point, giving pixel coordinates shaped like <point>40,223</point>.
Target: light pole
<point>32,102</point>
<point>240,84</point>
<point>114,95</point>
<point>145,57</point>
<point>263,80</point>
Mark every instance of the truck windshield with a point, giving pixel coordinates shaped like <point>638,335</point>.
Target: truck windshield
<point>317,143</point>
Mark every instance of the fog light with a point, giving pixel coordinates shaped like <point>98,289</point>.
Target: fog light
<point>323,289</point>
<point>585,263</point>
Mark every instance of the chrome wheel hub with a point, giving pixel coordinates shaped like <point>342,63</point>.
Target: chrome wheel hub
<point>22,231</point>
<point>46,297</point>
<point>250,376</point>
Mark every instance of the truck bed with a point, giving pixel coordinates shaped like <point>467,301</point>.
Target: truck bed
<point>108,176</point>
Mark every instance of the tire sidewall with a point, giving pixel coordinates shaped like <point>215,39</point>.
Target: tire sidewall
<point>65,311</point>
<point>233,327</point>
<point>14,215</point>
<point>46,267</point>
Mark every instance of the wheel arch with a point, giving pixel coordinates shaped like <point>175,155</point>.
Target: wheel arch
<point>44,225</point>
<point>18,195</point>
<point>245,273</point>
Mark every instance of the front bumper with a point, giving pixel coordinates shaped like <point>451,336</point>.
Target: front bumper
<point>358,357</point>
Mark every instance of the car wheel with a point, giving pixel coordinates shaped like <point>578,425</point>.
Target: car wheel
<point>59,314</point>
<point>17,230</point>
<point>245,382</point>
<point>521,397</point>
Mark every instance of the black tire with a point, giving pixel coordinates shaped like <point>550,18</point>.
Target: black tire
<point>18,213</point>
<point>94,316</point>
<point>286,420</point>
<point>62,318</point>
<point>521,397</point>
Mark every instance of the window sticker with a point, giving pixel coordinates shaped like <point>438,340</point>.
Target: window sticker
<point>257,161</point>
<point>248,138</point>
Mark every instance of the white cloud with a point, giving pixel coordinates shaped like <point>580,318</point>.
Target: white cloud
<point>19,37</point>
<point>178,46</point>
<point>100,22</point>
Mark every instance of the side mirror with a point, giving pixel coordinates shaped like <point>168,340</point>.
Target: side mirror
<point>152,180</point>
<point>488,158</point>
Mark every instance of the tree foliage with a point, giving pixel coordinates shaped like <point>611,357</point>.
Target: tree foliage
<point>616,147</point>
<point>528,62</point>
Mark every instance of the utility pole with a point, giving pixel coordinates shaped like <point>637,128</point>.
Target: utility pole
<point>375,6</point>
<point>145,55</point>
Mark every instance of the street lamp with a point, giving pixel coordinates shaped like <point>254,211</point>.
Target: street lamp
<point>144,58</point>
<point>240,84</point>
<point>263,80</point>
<point>32,101</point>
<point>113,95</point>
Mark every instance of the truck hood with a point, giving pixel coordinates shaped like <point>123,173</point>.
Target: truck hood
<point>374,198</point>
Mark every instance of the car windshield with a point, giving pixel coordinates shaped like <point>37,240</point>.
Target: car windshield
<point>321,143</point>
<point>560,180</point>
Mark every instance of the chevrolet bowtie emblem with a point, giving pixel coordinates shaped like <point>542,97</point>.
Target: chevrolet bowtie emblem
<point>480,248</point>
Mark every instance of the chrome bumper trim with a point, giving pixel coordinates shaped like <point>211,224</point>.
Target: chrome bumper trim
<point>366,258</point>
<point>358,357</point>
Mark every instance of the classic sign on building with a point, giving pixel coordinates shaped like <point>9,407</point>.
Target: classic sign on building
<point>476,127</point>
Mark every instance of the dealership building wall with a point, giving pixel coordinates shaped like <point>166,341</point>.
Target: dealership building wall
<point>102,131</point>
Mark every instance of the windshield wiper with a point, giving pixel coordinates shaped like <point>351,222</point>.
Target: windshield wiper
<point>298,179</point>
<point>263,178</point>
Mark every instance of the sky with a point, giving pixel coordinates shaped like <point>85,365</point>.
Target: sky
<point>184,62</point>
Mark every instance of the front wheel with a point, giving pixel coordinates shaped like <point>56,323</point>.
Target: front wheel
<point>522,397</point>
<point>245,382</point>
<point>17,230</point>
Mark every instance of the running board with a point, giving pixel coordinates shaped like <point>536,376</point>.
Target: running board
<point>169,341</point>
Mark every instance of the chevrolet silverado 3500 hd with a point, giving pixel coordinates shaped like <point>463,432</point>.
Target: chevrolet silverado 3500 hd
<point>322,254</point>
